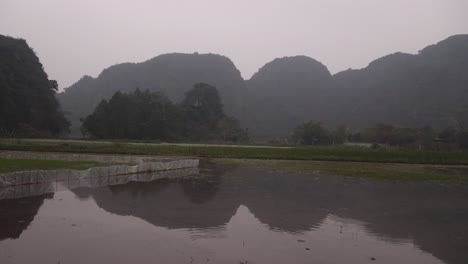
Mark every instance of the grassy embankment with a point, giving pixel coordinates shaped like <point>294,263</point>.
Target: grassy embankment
<point>383,164</point>
<point>11,165</point>
<point>326,153</point>
<point>376,171</point>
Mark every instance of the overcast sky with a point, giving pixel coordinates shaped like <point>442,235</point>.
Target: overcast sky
<point>82,37</point>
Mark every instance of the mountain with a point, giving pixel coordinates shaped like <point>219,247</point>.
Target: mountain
<point>426,89</point>
<point>286,92</point>
<point>172,74</point>
<point>28,106</point>
<point>429,88</point>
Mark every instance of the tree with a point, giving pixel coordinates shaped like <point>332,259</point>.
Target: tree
<point>202,109</point>
<point>341,134</point>
<point>397,136</point>
<point>426,136</point>
<point>311,133</point>
<point>229,130</point>
<point>146,115</point>
<point>96,124</point>
<point>203,105</point>
<point>448,135</point>
<point>462,138</point>
<point>27,96</point>
<point>136,115</point>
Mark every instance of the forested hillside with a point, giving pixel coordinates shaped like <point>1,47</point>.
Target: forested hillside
<point>28,106</point>
<point>426,89</point>
<point>171,74</point>
<point>151,115</point>
<point>430,88</point>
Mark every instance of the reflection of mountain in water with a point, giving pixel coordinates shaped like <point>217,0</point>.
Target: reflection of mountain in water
<point>432,216</point>
<point>17,214</point>
<point>166,206</point>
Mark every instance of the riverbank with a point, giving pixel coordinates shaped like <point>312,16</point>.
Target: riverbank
<point>13,165</point>
<point>398,172</point>
<point>322,153</point>
<point>13,161</point>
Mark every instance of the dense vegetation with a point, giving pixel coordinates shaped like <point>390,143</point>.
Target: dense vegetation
<point>134,115</point>
<point>28,106</point>
<point>313,133</point>
<point>147,115</point>
<point>171,74</point>
<point>402,90</point>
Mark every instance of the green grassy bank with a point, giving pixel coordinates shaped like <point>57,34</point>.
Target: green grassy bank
<point>11,165</point>
<point>375,171</point>
<point>325,153</point>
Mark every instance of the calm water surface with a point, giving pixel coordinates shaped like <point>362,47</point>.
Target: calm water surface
<point>240,215</point>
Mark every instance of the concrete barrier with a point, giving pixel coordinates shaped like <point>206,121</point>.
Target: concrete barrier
<point>63,183</point>
<point>47,176</point>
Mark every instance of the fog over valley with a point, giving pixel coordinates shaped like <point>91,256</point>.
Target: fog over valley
<point>222,131</point>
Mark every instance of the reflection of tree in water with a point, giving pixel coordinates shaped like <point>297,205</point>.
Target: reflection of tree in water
<point>432,216</point>
<point>171,203</point>
<point>283,203</point>
<point>83,193</point>
<point>199,190</point>
<point>141,189</point>
<point>204,188</point>
<point>136,189</point>
<point>17,214</point>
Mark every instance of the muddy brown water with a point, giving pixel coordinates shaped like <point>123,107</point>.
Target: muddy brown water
<point>240,215</point>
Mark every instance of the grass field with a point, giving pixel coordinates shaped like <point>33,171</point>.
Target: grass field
<point>376,171</point>
<point>325,153</point>
<point>11,165</point>
<point>382,164</point>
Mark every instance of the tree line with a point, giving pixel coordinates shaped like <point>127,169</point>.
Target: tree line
<point>313,133</point>
<point>152,116</point>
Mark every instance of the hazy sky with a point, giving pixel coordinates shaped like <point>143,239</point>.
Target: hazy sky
<point>77,37</point>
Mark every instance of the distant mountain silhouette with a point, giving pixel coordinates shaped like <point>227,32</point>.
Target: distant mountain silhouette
<point>286,92</point>
<point>407,90</point>
<point>171,74</point>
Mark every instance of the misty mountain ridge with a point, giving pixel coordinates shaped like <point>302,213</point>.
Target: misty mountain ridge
<point>172,74</point>
<point>401,89</point>
<point>285,93</point>
<point>406,90</point>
